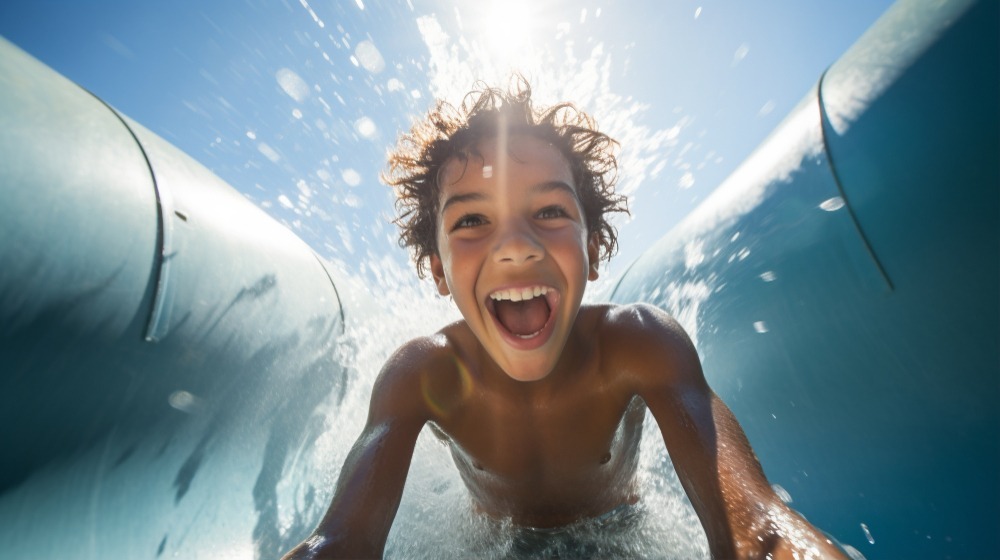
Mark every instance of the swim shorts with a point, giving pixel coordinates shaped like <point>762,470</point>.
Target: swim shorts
<point>610,535</point>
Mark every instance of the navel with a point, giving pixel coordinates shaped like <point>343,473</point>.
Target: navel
<point>477,465</point>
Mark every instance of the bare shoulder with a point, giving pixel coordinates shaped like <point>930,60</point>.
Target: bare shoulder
<point>642,317</point>
<point>421,364</point>
<point>642,326</point>
<point>647,343</point>
<point>414,355</point>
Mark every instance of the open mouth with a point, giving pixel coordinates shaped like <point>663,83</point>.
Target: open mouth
<point>523,312</point>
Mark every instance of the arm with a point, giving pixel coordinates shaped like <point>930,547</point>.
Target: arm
<point>741,514</point>
<point>371,481</point>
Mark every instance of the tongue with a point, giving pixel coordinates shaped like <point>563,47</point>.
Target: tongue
<point>523,317</point>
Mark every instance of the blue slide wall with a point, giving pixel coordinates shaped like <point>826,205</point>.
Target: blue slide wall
<point>158,333</point>
<point>844,291</point>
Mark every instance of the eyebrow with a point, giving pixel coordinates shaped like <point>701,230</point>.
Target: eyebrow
<point>550,186</point>
<point>466,197</point>
<point>545,187</point>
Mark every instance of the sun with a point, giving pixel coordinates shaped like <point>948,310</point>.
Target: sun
<point>508,28</point>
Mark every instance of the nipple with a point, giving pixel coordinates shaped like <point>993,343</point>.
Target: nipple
<point>606,458</point>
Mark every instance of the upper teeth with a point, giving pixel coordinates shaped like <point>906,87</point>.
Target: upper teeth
<point>518,294</point>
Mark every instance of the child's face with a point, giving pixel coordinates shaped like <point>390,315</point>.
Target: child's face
<point>513,251</point>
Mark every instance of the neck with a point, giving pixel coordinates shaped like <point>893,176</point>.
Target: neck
<point>573,359</point>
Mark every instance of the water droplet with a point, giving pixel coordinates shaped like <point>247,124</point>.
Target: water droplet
<point>365,127</point>
<point>686,181</point>
<point>351,177</point>
<point>268,152</point>
<point>369,57</point>
<point>832,204</point>
<point>741,53</point>
<point>768,276</point>
<point>183,401</point>
<point>760,327</point>
<point>292,84</point>
<point>782,493</point>
<point>868,534</point>
<point>693,255</point>
<point>304,188</point>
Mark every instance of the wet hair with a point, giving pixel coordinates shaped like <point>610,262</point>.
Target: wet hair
<point>446,133</point>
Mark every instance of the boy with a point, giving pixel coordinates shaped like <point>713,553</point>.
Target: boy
<point>540,398</point>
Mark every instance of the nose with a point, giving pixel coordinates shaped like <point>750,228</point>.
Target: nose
<point>517,244</point>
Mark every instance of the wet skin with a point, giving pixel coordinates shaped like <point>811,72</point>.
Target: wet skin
<point>544,426</point>
<point>525,450</point>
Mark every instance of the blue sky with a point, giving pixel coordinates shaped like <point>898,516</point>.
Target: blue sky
<point>295,102</point>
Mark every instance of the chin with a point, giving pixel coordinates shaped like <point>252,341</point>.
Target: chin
<point>525,378</point>
<point>528,373</point>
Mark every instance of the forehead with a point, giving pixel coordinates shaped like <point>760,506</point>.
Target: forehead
<point>522,153</point>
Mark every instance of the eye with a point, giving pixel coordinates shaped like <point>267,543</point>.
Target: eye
<point>468,221</point>
<point>552,212</point>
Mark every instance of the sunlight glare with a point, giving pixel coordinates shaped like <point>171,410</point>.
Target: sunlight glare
<point>507,27</point>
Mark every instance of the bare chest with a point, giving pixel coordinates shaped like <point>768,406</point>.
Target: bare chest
<point>566,458</point>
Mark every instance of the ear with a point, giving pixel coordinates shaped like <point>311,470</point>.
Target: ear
<point>437,271</point>
<point>594,256</point>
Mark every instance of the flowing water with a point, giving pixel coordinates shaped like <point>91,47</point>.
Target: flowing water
<point>435,519</point>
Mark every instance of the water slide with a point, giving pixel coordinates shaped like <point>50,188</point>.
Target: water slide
<point>171,353</point>
<point>844,283</point>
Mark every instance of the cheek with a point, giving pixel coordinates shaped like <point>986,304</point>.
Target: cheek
<point>459,261</point>
<point>468,249</point>
<point>569,240</point>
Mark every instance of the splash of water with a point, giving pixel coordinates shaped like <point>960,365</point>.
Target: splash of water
<point>435,518</point>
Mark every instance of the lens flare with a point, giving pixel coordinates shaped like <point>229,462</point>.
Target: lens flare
<point>443,390</point>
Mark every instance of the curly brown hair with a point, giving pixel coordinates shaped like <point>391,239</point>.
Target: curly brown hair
<point>448,132</point>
